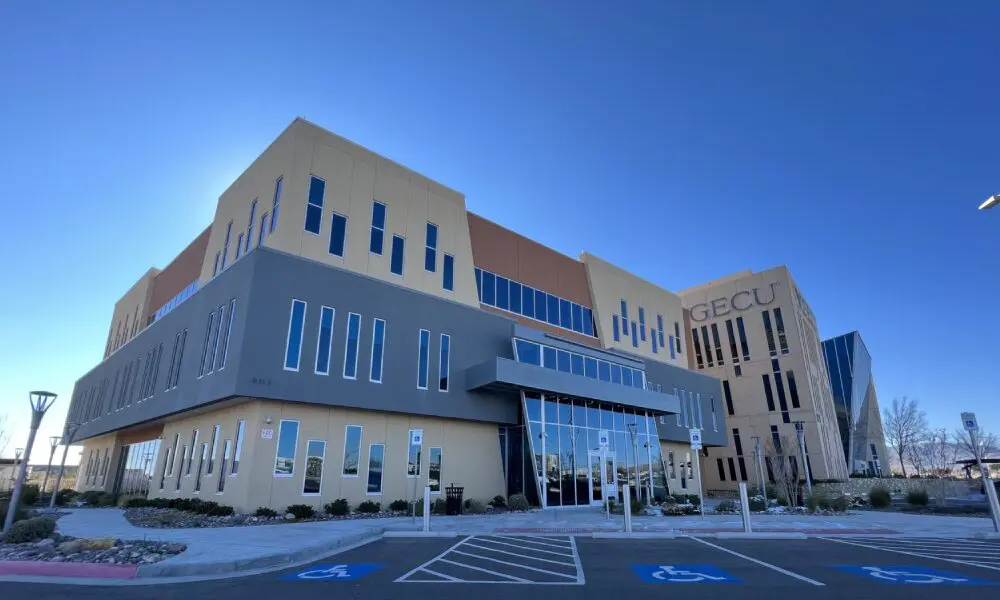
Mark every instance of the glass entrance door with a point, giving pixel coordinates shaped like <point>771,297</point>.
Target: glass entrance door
<point>602,481</point>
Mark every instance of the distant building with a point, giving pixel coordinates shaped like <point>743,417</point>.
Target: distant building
<point>850,367</point>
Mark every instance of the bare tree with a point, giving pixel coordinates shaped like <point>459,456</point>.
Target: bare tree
<point>941,455</point>
<point>4,436</point>
<point>905,424</point>
<point>986,444</point>
<point>777,454</point>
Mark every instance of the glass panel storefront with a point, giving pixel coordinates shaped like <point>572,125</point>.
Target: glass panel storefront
<point>135,468</point>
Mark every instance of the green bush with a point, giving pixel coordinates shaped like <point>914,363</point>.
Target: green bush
<point>841,503</point>
<point>439,507</point>
<point>106,499</point>
<point>29,494</point>
<point>159,503</point>
<point>518,502</point>
<point>221,510</point>
<point>301,511</point>
<point>91,497</point>
<point>879,497</point>
<point>757,504</point>
<point>694,499</point>
<point>20,513</point>
<point>338,507</point>
<point>399,506</point>
<point>818,501</point>
<point>135,503</point>
<point>65,496</point>
<point>206,508</point>
<point>726,506</point>
<point>265,512</point>
<point>369,507</point>
<point>498,502</point>
<point>475,507</point>
<point>917,498</point>
<point>30,530</point>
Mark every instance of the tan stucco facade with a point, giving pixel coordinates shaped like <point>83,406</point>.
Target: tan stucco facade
<point>682,475</point>
<point>96,462</point>
<point>609,285</point>
<point>749,295</point>
<point>355,178</point>
<point>129,317</point>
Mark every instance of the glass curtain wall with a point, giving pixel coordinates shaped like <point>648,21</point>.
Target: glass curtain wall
<point>136,470</point>
<point>562,434</point>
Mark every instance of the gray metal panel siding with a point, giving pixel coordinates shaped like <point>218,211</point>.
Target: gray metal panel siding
<point>670,377</point>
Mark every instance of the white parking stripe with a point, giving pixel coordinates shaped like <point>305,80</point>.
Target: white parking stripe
<point>941,543</point>
<point>504,575</point>
<point>760,562</point>
<point>432,560</point>
<point>479,539</point>
<point>547,539</point>
<point>576,558</point>
<point>545,560</point>
<point>527,541</point>
<point>511,564</point>
<point>897,551</point>
<point>441,575</point>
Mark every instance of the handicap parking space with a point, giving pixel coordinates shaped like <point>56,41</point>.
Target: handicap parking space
<point>376,563</point>
<point>977,552</point>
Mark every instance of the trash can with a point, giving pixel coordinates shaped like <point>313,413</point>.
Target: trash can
<point>453,500</point>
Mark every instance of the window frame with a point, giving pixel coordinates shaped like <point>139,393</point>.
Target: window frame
<point>402,255</point>
<point>368,470</point>
<point>430,467</point>
<point>334,217</point>
<point>234,469</point>
<point>276,203</point>
<point>319,339</point>
<point>380,229</point>
<point>347,342</point>
<point>425,369</point>
<point>322,466</point>
<point>319,207</point>
<point>371,356</point>
<point>277,448</point>
<point>361,443</point>
<point>430,250</point>
<point>288,336</point>
<point>444,356</point>
<point>448,272</point>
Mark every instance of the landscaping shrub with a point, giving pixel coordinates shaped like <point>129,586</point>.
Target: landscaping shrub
<point>106,499</point>
<point>19,514</point>
<point>65,496</point>
<point>221,510</point>
<point>29,494</point>
<point>399,506</point>
<point>266,512</point>
<point>90,498</point>
<point>818,501</point>
<point>30,530</point>
<point>418,508</point>
<point>475,507</point>
<point>369,507</point>
<point>726,506</point>
<point>134,503</point>
<point>159,503</point>
<point>879,497</point>
<point>439,507</point>
<point>338,507</point>
<point>301,511</point>
<point>498,502</point>
<point>672,510</point>
<point>694,499</point>
<point>206,508</point>
<point>841,503</point>
<point>757,504</point>
<point>669,500</point>
<point>917,498</point>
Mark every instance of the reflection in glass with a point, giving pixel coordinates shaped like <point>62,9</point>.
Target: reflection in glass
<point>552,465</point>
<point>566,464</point>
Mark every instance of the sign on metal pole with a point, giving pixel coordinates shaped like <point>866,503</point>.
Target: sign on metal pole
<point>417,437</point>
<point>603,440</point>
<point>969,421</point>
<point>695,439</point>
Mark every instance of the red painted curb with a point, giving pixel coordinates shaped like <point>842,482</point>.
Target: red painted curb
<point>67,569</point>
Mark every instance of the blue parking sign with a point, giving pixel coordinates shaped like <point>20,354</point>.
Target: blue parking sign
<point>683,574</point>
<point>911,574</point>
<point>341,572</point>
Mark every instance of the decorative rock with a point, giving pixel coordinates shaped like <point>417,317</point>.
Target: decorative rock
<point>289,517</point>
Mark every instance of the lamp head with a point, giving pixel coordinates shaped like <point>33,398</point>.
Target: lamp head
<point>41,401</point>
<point>990,202</point>
<point>55,441</point>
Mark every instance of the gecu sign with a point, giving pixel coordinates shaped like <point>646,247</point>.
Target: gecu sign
<point>740,301</point>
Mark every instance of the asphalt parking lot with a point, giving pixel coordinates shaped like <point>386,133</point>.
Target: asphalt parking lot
<point>558,567</point>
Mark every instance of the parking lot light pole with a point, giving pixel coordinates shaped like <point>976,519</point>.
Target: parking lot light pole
<point>67,439</point>
<point>800,431</point>
<point>40,402</point>
<point>54,443</point>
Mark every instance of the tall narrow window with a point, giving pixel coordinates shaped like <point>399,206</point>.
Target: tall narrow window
<point>378,343</point>
<point>779,384</point>
<point>722,469</point>
<point>215,448</point>
<point>642,323</point>
<point>262,230</point>
<point>449,273</point>
<point>229,333</point>
<point>228,448</point>
<point>434,470</point>
<point>166,465</point>
<point>732,341</point>
<point>376,458</point>
<point>376,241</point>
<point>180,357</point>
<point>412,457</point>
<point>708,346</point>
<point>624,307</point>
<point>284,457</point>
<point>677,336</point>
<point>430,251</point>
<point>194,448</point>
<point>239,246</point>
<point>614,328</point>
<point>170,372</point>
<point>324,341</point>
<point>396,260</point>
<point>314,208</point>
<point>697,348</point>
<point>180,466</point>
<point>635,339</point>
<point>737,442</point>
<point>240,426</point>
<point>780,324</point>
<point>659,331</point>
<point>277,203</point>
<point>351,345</point>
<point>225,246</point>
<point>729,397</point>
<point>338,234</point>
<point>718,344</point>
<point>206,345</point>
<point>215,271</point>
<point>293,342</point>
<point>743,338</point>
<point>352,450</point>
<point>216,338</point>
<point>201,467</point>
<point>793,390</point>
<point>769,332</point>
<point>312,483</point>
<point>444,363</point>
<point>173,456</point>
<point>768,393</point>
<point>588,321</point>
<point>423,358</point>
<point>732,468</point>
<point>250,224</point>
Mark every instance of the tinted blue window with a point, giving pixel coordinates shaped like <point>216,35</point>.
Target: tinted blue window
<point>549,357</point>
<point>540,305</point>
<point>378,342</point>
<point>325,333</point>
<point>603,371</point>
<point>377,240</point>
<point>338,234</point>
<point>351,352</point>
<point>588,321</point>
<point>515,297</point>
<point>672,354</point>
<point>293,346</point>
<point>423,358</point>
<point>528,352</point>
<point>614,328</point>
<point>378,215</point>
<point>616,373</point>
<point>430,252</point>
<point>503,292</point>
<point>479,283</point>
<point>660,332</point>
<point>396,262</point>
<point>565,313</point>
<point>314,210</point>
<point>277,203</point>
<point>590,367</point>
<point>489,288</point>
<point>626,376</point>
<point>552,303</point>
<point>624,311</point>
<point>564,361</point>
<point>449,273</point>
<point>578,318</point>
<point>444,363</point>
<point>636,378</point>
<point>528,301</point>
<point>655,349</point>
<point>659,324</point>
<point>262,232</point>
<point>642,324</point>
<point>576,364</point>
<point>635,339</point>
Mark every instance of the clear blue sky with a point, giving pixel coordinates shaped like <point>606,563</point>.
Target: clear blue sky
<point>851,141</point>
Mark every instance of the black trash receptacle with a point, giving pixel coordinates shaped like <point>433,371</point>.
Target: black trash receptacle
<point>453,500</point>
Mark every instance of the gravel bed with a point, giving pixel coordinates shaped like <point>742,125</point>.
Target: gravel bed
<point>60,548</point>
<point>171,518</point>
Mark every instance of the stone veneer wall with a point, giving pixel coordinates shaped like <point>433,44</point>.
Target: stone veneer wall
<point>897,487</point>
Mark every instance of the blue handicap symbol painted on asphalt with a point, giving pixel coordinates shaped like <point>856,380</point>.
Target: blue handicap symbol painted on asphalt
<point>910,574</point>
<point>682,574</point>
<point>342,572</point>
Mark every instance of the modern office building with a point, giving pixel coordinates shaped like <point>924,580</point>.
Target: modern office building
<point>858,415</point>
<point>346,329</point>
<point>756,333</point>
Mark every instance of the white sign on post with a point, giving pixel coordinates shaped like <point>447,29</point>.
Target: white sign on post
<point>695,439</point>
<point>969,421</point>
<point>417,437</point>
<point>603,438</point>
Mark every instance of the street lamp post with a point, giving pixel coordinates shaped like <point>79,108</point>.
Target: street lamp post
<point>634,433</point>
<point>18,453</point>
<point>67,440</point>
<point>40,402</point>
<point>54,443</point>
<point>800,431</point>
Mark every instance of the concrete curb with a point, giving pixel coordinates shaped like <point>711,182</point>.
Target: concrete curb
<point>992,535</point>
<point>756,535</point>
<point>635,535</point>
<point>420,534</point>
<point>165,569</point>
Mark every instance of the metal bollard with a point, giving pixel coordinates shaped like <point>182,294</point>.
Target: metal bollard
<point>427,508</point>
<point>991,497</point>
<point>745,507</point>
<point>628,509</point>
